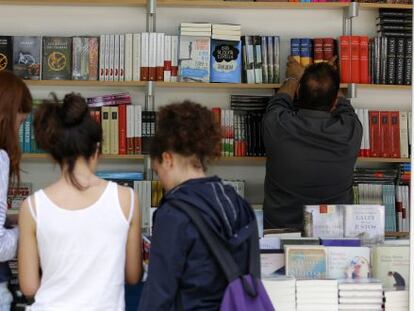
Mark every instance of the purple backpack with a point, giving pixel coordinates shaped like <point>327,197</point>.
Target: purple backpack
<point>243,292</point>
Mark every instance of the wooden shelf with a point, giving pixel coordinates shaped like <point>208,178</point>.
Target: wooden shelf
<point>385,6</point>
<point>397,234</point>
<point>261,160</point>
<point>119,3</point>
<point>385,160</point>
<point>78,83</point>
<point>385,87</point>
<point>44,156</point>
<point>216,85</point>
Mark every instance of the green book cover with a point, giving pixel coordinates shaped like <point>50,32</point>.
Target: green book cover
<point>57,58</point>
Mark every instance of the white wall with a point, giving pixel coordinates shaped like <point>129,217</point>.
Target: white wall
<point>62,20</point>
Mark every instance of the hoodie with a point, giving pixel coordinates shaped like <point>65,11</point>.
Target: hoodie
<point>181,264</point>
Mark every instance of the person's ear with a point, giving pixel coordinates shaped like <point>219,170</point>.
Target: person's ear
<point>167,159</point>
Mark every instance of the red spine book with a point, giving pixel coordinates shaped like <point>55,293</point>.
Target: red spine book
<point>364,59</point>
<point>122,129</point>
<point>374,133</point>
<point>345,58</point>
<point>385,134</point>
<point>355,59</point>
<point>328,49</point>
<point>395,134</point>
<point>318,50</point>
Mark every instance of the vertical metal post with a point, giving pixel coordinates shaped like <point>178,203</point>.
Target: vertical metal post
<point>349,13</point>
<point>151,15</point>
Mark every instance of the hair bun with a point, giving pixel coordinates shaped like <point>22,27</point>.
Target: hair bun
<point>74,109</point>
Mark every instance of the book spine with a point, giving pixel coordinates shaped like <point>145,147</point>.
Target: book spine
<point>116,57</point>
<point>107,56</point>
<point>385,141</point>
<point>121,57</point>
<point>265,69</point>
<point>122,117</point>
<point>399,67</point>
<point>391,45</point>
<point>137,129</point>
<point>395,134</point>
<point>111,57</point>
<point>136,56</point>
<point>355,59</point>
<point>295,48</point>
<point>174,58</point>
<point>27,133</point>
<point>145,56</point>
<point>270,60</point>
<point>93,61</point>
<point>167,58</point>
<point>106,145</point>
<point>160,57</point>
<point>276,59</point>
<point>152,57</point>
<point>363,63</point>
<point>102,52</point>
<point>328,49</point>
<point>370,61</point>
<point>306,52</point>
<point>345,59</point>
<point>384,67</point>
<point>408,61</point>
<point>130,129</point>
<point>367,131</point>
<point>318,50</point>
<point>375,134</point>
<point>403,123</point>
<point>114,130</point>
<point>377,53</point>
<point>250,69</point>
<point>76,58</point>
<point>258,64</point>
<point>129,54</point>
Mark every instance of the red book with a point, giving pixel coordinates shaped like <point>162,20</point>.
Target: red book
<point>374,133</point>
<point>385,134</point>
<point>345,58</point>
<point>328,49</point>
<point>364,58</point>
<point>355,59</point>
<point>122,129</point>
<point>395,134</point>
<point>318,50</point>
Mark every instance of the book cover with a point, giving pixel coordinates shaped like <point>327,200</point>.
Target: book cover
<point>107,56</point>
<point>345,59</point>
<point>152,56</point>
<point>57,58</point>
<point>318,50</point>
<point>27,57</point>
<point>366,222</point>
<point>399,65</point>
<point>167,58</point>
<point>385,134</point>
<point>272,262</point>
<point>111,73</point>
<point>295,49</point>
<point>145,56</point>
<point>306,52</point>
<point>306,261</point>
<point>6,53</point>
<point>122,117</point>
<point>160,57</point>
<point>391,266</point>
<point>194,59</point>
<point>16,195</point>
<point>258,61</point>
<point>130,129</point>
<point>225,61</point>
<point>130,65</point>
<point>374,133</point>
<point>391,54</point>
<point>349,262</point>
<point>384,60</point>
<point>270,59</point>
<point>395,134</point>
<point>408,61</point>
<point>298,241</point>
<point>403,123</point>
<point>174,58</point>
<point>248,59</point>
<point>114,130</point>
<point>328,49</point>
<point>80,58</point>
<point>106,131</point>
<point>363,61</point>
<point>265,69</point>
<point>137,129</point>
<point>355,59</point>
<point>324,221</point>
<point>343,242</point>
<point>102,47</point>
<point>121,57</point>
<point>93,61</point>
<point>116,57</point>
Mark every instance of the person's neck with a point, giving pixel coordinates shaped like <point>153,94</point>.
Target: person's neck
<point>186,175</point>
<point>82,172</point>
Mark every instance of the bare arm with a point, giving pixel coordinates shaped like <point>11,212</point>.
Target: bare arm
<point>294,72</point>
<point>29,266</point>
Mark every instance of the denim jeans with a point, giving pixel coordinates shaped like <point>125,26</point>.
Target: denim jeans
<point>5,297</point>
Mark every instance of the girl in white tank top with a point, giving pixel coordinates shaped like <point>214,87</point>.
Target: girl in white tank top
<point>82,232</point>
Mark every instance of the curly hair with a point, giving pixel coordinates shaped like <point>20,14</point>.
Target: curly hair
<point>187,129</point>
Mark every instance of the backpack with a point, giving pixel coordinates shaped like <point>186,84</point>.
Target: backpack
<point>243,292</point>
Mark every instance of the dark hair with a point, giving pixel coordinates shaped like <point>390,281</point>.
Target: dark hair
<point>319,87</point>
<point>188,129</point>
<point>15,98</point>
<point>67,131</point>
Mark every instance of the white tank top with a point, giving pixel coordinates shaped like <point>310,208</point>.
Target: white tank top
<point>82,254</point>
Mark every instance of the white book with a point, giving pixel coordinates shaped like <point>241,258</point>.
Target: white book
<point>232,27</point>
<point>360,300</point>
<point>406,205</point>
<point>114,128</point>
<point>111,57</point>
<point>152,57</point>
<point>136,57</point>
<point>160,56</point>
<point>361,284</point>
<point>130,128</point>
<point>107,56</point>
<point>145,52</point>
<point>404,134</point>
<point>129,53</point>
<point>167,58</point>
<point>360,307</point>
<point>174,58</point>
<point>226,32</point>
<point>195,34</point>
<point>116,57</point>
<point>196,25</point>
<point>121,57</point>
<point>102,46</point>
<point>366,130</point>
<point>225,37</point>
<point>349,262</point>
<point>361,293</point>
<point>317,307</point>
<point>138,126</point>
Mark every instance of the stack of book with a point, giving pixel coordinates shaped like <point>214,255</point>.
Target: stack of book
<point>396,300</point>
<point>194,54</point>
<point>281,291</point>
<point>395,23</point>
<point>320,295</point>
<point>363,294</point>
<point>226,32</point>
<point>308,51</point>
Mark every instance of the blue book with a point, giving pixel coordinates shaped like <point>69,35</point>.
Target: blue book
<point>295,49</point>
<point>351,242</point>
<point>119,175</point>
<point>306,51</point>
<point>27,134</point>
<point>21,137</point>
<point>226,65</point>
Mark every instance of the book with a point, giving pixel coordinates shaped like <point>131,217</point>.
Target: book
<point>194,59</point>
<point>167,58</point>
<point>345,59</point>
<point>343,242</point>
<point>145,54</point>
<point>295,49</point>
<point>80,58</point>
<point>298,241</point>
<point>400,60</point>
<point>27,57</point>
<point>324,221</point>
<point>306,261</point>
<point>160,47</point>
<point>258,62</point>
<point>362,285</point>
<point>374,133</point>
<point>349,262</point>
<point>355,59</point>
<point>318,50</point>
<point>16,195</point>
<point>136,56</point>
<point>152,56</point>
<point>225,61</point>
<point>248,59</point>
<point>306,52</point>
<point>408,59</point>
<point>272,262</point>
<point>363,60</point>
<point>57,58</point>
<point>6,53</point>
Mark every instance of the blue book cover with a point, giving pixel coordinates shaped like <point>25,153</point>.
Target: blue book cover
<point>113,175</point>
<point>27,134</point>
<point>306,51</point>
<point>341,242</point>
<point>295,49</point>
<point>225,61</point>
<point>194,59</point>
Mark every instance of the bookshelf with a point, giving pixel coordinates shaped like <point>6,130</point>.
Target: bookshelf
<point>397,234</point>
<point>76,83</point>
<point>140,3</point>
<point>43,156</point>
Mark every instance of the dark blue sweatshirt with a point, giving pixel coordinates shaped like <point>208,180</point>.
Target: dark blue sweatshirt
<point>180,262</point>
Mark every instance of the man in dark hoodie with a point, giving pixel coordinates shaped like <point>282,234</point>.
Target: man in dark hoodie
<point>182,271</point>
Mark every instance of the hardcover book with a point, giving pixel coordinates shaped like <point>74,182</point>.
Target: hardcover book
<point>272,262</point>
<point>306,261</point>
<point>26,57</point>
<point>349,262</point>
<point>225,61</point>
<point>324,221</point>
<point>6,53</point>
<point>57,58</point>
<point>194,59</point>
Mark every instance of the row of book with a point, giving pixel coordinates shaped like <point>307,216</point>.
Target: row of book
<point>395,23</point>
<point>386,134</point>
<point>312,1</point>
<point>308,51</point>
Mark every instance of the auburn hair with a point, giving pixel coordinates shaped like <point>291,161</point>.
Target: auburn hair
<point>15,98</point>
